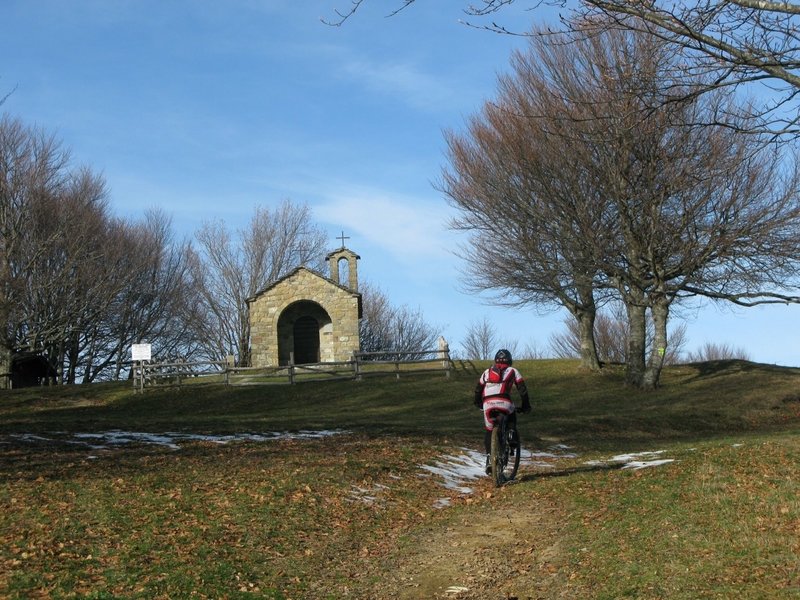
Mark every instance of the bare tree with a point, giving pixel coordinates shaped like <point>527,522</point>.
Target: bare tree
<point>32,167</point>
<point>157,304</point>
<point>528,210</point>
<point>233,268</point>
<point>648,203</point>
<point>73,270</point>
<point>78,285</point>
<point>480,341</point>
<point>95,284</point>
<point>385,326</point>
<point>611,336</point>
<point>532,351</point>
<point>727,43</point>
<point>698,209</point>
<point>711,351</point>
<point>47,214</point>
<point>375,327</point>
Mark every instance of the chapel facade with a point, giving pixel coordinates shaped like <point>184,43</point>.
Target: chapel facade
<point>306,317</point>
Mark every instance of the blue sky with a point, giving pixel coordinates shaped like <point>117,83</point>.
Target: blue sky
<point>209,109</point>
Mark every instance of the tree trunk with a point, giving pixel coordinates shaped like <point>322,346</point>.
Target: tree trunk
<point>660,311</point>
<point>5,326</point>
<point>589,359</point>
<point>244,348</point>
<point>586,312</point>
<point>5,367</point>
<point>637,341</point>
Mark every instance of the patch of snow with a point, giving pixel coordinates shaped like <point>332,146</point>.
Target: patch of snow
<point>122,438</point>
<point>630,457</point>
<point>635,461</point>
<point>28,437</point>
<point>562,448</point>
<point>457,471</point>
<point>643,464</point>
<point>172,440</point>
<point>456,589</point>
<point>366,495</point>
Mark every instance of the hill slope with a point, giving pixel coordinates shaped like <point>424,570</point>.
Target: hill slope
<point>356,514</point>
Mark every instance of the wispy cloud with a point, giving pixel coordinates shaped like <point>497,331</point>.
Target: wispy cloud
<point>410,229</point>
<point>403,81</point>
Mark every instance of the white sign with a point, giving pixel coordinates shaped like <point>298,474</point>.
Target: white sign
<point>140,352</point>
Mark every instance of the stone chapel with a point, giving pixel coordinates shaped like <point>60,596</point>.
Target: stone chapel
<point>307,316</point>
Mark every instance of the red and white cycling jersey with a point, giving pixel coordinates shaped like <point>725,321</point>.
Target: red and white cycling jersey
<point>496,387</point>
<point>499,383</point>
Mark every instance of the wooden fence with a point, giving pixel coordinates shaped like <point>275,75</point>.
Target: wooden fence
<point>363,364</point>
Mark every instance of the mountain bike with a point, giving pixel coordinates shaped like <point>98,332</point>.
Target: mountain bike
<point>506,448</point>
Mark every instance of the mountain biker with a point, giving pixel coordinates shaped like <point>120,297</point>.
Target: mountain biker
<point>493,393</point>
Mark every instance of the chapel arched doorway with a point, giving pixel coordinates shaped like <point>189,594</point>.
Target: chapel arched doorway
<point>306,340</point>
<point>305,331</point>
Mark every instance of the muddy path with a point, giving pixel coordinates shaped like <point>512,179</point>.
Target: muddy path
<point>492,550</point>
<point>505,555</point>
<point>503,544</point>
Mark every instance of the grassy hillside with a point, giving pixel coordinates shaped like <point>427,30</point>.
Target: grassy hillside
<point>352,516</point>
<point>571,405</point>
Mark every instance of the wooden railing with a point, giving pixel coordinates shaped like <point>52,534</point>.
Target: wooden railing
<point>401,363</point>
<point>363,364</point>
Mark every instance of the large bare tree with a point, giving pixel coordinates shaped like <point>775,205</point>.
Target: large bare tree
<point>72,270</point>
<point>570,180</point>
<point>234,267</point>
<point>78,285</point>
<point>525,206</point>
<point>32,165</point>
<point>158,303</point>
<point>727,43</point>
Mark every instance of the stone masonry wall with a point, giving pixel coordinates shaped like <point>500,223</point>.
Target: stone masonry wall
<point>338,340</point>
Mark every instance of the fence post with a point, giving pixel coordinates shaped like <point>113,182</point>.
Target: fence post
<point>291,368</point>
<point>444,355</point>
<point>142,375</point>
<point>356,369</point>
<point>137,375</point>
<point>230,362</point>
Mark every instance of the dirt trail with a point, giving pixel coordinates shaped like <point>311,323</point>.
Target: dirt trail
<point>510,552</point>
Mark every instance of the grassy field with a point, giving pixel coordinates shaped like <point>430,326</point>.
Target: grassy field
<point>354,515</point>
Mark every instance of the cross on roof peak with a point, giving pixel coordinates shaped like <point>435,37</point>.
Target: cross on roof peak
<point>343,237</point>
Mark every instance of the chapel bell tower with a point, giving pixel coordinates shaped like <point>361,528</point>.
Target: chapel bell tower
<point>344,261</point>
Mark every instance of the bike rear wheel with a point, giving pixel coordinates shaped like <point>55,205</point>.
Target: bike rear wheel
<point>504,465</point>
<point>496,457</point>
